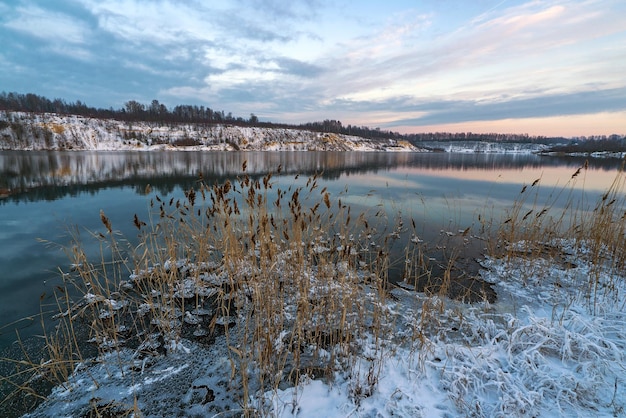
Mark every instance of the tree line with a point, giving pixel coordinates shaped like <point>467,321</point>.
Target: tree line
<point>134,111</point>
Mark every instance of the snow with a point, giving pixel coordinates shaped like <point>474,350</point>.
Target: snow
<point>67,132</point>
<point>595,154</point>
<point>551,346</point>
<point>485,147</point>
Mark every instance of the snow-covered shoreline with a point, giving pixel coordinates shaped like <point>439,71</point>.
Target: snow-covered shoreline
<point>595,154</point>
<point>24,131</point>
<point>545,348</point>
<point>486,147</point>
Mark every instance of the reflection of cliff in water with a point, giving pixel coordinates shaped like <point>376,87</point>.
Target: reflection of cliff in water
<point>490,161</point>
<point>36,176</point>
<point>50,175</point>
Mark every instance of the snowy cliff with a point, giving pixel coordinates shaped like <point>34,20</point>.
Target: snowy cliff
<point>486,147</point>
<point>28,131</point>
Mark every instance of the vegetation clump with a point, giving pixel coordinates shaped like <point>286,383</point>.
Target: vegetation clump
<point>289,276</point>
<point>296,287</point>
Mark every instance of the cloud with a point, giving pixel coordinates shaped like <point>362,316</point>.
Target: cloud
<point>297,68</point>
<point>160,23</point>
<point>210,46</point>
<point>9,67</point>
<point>233,25</point>
<point>510,50</point>
<point>61,33</point>
<point>278,10</point>
<point>443,112</point>
<point>362,62</point>
<point>535,60</point>
<point>604,123</point>
<point>48,25</point>
<point>169,23</point>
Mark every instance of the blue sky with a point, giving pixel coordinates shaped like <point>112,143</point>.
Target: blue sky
<point>552,67</point>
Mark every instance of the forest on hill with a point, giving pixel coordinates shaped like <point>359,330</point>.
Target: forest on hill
<point>159,113</point>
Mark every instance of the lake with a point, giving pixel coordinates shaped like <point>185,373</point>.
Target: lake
<point>44,195</point>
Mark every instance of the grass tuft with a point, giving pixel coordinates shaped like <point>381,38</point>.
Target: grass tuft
<point>296,283</point>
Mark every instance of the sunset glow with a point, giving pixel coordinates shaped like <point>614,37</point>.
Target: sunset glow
<point>552,68</point>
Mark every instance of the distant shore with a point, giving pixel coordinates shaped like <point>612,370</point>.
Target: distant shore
<point>49,131</point>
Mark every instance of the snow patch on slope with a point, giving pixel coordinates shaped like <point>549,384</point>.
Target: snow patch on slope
<point>49,131</point>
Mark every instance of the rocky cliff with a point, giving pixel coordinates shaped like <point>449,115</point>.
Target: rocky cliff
<point>28,131</point>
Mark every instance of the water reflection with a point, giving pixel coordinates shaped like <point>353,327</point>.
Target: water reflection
<point>32,176</point>
<point>23,172</point>
<point>44,192</point>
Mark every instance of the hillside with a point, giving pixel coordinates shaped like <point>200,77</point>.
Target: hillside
<point>49,131</point>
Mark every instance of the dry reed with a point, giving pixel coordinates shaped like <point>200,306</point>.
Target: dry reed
<point>296,282</point>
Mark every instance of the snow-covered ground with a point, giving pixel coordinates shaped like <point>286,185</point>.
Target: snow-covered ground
<point>50,131</point>
<point>485,147</point>
<point>553,345</point>
<point>596,154</point>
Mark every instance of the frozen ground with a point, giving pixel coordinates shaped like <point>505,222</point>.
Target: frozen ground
<point>49,131</point>
<point>551,346</point>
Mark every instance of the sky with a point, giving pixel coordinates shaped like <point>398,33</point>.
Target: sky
<point>542,67</point>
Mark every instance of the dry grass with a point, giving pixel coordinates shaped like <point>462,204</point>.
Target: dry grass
<point>296,282</point>
<point>288,275</point>
<point>537,230</point>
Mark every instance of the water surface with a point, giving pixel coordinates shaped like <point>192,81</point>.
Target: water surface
<point>47,194</point>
